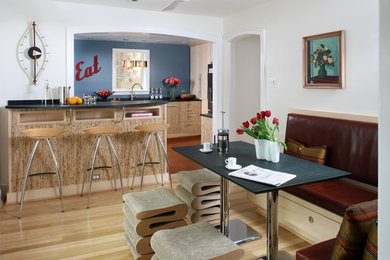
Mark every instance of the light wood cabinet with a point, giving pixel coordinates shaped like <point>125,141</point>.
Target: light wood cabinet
<point>201,55</point>
<point>184,118</point>
<point>207,129</point>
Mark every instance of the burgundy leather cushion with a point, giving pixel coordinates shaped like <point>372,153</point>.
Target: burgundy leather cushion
<point>320,251</point>
<point>352,146</point>
<point>333,195</point>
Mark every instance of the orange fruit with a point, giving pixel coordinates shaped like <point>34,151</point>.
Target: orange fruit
<point>79,100</point>
<point>73,101</point>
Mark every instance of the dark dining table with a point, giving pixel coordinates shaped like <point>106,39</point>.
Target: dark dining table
<point>306,172</point>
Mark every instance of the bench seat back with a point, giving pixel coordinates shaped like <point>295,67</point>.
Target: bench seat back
<point>352,146</point>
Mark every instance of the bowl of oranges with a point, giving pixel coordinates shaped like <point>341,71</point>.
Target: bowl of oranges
<point>104,94</point>
<point>75,100</point>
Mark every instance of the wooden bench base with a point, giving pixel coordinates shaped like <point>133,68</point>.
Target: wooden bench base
<point>308,221</point>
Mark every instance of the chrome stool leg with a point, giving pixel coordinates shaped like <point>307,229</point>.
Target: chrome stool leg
<point>57,173</point>
<point>135,167</point>
<point>86,166</point>
<point>144,161</point>
<point>26,176</point>
<point>113,174</point>
<point>160,162</point>
<point>166,158</point>
<point>92,167</point>
<point>117,161</point>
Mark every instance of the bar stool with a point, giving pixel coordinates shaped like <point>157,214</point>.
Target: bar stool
<point>99,132</point>
<point>150,130</point>
<point>41,134</point>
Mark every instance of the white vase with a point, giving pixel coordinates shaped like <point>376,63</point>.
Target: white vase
<point>267,150</point>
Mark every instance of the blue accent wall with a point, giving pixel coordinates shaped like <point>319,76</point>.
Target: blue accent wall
<point>166,60</point>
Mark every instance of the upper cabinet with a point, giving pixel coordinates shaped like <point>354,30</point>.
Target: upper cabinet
<point>201,56</point>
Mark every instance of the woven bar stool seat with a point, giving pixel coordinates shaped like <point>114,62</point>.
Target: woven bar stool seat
<point>198,241</point>
<point>99,132</point>
<point>41,134</point>
<point>152,130</point>
<point>152,127</point>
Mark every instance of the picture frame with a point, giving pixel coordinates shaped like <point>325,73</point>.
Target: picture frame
<point>324,60</point>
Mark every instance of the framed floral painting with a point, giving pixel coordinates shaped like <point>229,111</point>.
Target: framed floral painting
<point>324,60</point>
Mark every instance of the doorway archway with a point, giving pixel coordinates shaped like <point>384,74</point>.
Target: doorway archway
<point>244,77</point>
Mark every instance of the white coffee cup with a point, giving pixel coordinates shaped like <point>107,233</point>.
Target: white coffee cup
<point>207,146</point>
<point>231,162</point>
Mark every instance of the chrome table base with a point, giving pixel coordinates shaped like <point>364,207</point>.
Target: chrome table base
<point>235,229</point>
<point>241,233</point>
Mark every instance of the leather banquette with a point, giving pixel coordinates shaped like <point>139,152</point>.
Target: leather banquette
<point>352,146</point>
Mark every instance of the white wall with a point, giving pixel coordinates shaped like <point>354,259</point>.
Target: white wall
<point>384,130</point>
<point>245,91</point>
<point>54,19</point>
<point>286,22</point>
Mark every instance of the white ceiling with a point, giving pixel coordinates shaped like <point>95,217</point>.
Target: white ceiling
<point>137,37</point>
<point>216,8</point>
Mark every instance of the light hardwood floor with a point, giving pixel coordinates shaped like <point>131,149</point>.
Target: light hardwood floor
<point>97,233</point>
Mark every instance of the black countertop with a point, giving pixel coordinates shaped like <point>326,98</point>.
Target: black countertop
<point>306,171</point>
<point>37,104</point>
<point>209,115</point>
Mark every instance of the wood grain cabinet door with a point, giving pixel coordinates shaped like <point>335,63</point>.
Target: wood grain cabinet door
<point>190,117</point>
<point>184,118</point>
<point>173,118</point>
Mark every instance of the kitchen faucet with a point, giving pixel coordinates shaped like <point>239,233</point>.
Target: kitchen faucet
<point>132,90</point>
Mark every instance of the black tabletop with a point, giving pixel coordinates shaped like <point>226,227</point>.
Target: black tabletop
<point>306,171</point>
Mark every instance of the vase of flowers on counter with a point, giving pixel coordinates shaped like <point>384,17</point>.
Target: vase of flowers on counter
<point>172,83</point>
<point>267,146</point>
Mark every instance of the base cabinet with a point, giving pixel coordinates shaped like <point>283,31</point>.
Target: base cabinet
<point>308,221</point>
<point>207,130</point>
<point>184,118</point>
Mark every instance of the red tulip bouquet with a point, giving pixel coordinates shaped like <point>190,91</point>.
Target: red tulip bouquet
<point>172,83</point>
<point>261,129</point>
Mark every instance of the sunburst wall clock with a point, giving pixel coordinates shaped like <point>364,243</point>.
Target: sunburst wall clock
<point>32,53</point>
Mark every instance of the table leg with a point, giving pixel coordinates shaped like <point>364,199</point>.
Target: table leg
<point>235,229</point>
<point>224,219</point>
<point>272,225</point>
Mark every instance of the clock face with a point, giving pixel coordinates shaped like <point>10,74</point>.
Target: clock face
<point>32,53</point>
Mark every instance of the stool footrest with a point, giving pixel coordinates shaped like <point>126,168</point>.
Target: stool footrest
<point>100,167</point>
<point>139,164</point>
<point>41,173</point>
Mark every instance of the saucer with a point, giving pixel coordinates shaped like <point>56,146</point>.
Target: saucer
<point>236,167</point>
<point>205,151</point>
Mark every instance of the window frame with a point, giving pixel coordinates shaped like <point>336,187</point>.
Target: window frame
<point>145,86</point>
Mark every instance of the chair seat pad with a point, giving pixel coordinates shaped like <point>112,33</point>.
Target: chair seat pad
<point>194,242</point>
<point>334,195</point>
<point>320,251</point>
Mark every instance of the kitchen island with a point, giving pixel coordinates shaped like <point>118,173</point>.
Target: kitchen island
<point>72,148</point>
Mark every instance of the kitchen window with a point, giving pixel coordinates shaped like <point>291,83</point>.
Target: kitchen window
<point>130,67</point>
